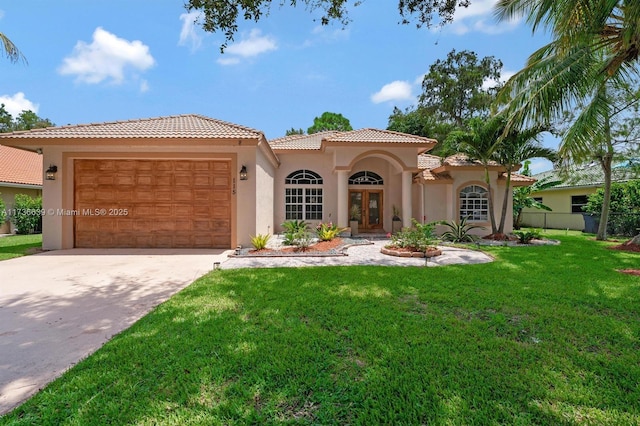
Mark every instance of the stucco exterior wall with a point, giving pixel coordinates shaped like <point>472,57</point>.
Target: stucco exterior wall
<point>8,194</point>
<point>264,181</point>
<point>442,201</point>
<point>561,217</point>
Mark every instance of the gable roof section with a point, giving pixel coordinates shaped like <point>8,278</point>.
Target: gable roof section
<point>590,175</point>
<point>20,167</point>
<point>379,136</point>
<point>188,126</point>
<point>311,142</point>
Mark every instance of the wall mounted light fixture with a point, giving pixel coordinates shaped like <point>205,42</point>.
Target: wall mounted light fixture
<point>243,173</point>
<point>50,174</point>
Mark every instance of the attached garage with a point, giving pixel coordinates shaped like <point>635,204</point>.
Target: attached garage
<point>168,182</point>
<point>152,203</point>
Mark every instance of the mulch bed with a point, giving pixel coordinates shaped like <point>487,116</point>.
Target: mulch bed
<point>635,248</point>
<point>319,247</point>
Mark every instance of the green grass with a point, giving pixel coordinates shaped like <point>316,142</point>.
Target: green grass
<point>18,245</point>
<point>543,335</point>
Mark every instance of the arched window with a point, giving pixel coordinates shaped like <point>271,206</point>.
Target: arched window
<point>366,178</point>
<point>474,204</point>
<point>303,196</point>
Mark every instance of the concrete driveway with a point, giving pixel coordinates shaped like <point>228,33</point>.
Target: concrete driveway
<point>58,307</point>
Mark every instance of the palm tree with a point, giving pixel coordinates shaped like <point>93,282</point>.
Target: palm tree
<point>596,42</point>
<point>10,49</point>
<point>522,195</point>
<point>480,143</point>
<point>515,147</point>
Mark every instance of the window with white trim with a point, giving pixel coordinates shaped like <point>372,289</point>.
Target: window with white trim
<point>303,196</point>
<point>474,204</point>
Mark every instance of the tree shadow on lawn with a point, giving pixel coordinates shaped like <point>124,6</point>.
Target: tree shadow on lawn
<point>363,345</point>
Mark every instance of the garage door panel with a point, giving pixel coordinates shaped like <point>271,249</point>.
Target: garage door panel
<point>183,203</point>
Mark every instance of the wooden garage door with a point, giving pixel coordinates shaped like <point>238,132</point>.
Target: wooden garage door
<point>152,203</point>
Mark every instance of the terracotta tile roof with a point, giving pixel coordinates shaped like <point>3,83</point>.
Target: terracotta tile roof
<point>462,160</point>
<point>190,126</point>
<point>20,167</point>
<point>378,136</point>
<point>303,142</point>
<point>429,176</point>
<point>428,161</point>
<point>519,180</point>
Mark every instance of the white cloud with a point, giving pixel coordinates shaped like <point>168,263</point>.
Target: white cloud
<point>1,14</point>
<point>144,86</point>
<point>106,58</point>
<point>394,91</point>
<point>479,17</point>
<point>254,45</point>
<point>504,77</point>
<point>188,34</point>
<point>17,103</point>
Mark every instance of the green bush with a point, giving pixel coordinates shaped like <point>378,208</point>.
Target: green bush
<point>417,238</point>
<point>27,214</point>
<point>3,211</point>
<point>624,210</point>
<point>296,232</point>
<point>260,241</point>
<point>525,236</point>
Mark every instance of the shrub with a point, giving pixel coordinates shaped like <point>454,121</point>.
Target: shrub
<point>417,238</point>
<point>328,231</point>
<point>525,236</point>
<point>260,241</point>
<point>624,210</point>
<point>459,232</point>
<point>292,228</point>
<point>27,216</point>
<point>3,212</point>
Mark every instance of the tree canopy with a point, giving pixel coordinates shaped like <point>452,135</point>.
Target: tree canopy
<point>329,121</point>
<point>223,16</point>
<point>26,120</point>
<point>455,89</point>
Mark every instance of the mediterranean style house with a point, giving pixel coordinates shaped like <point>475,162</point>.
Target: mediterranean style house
<point>189,181</point>
<point>20,173</point>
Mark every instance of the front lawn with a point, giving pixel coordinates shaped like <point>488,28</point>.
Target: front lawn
<point>18,245</point>
<point>544,335</point>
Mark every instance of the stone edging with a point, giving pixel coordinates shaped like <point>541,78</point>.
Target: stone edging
<point>399,253</point>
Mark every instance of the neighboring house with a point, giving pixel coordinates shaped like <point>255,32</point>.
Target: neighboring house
<point>20,173</point>
<point>193,181</point>
<point>567,199</point>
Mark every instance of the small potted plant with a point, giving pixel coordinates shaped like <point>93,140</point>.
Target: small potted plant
<point>396,222</point>
<point>355,215</point>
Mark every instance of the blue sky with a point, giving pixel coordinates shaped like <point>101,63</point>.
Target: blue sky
<point>98,60</point>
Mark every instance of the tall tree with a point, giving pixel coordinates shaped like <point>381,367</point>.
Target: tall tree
<point>454,90</point>
<point>223,16</point>
<point>329,121</point>
<point>522,195</point>
<point>480,143</point>
<point>515,147</point>
<point>293,131</point>
<point>596,43</point>
<point>11,51</point>
<point>26,120</point>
